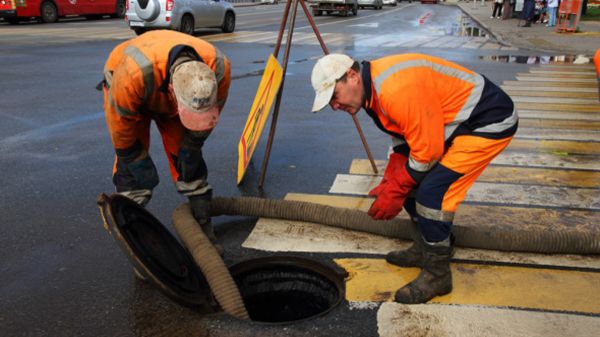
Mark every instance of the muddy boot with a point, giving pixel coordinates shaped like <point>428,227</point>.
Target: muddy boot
<point>434,280</point>
<point>411,257</point>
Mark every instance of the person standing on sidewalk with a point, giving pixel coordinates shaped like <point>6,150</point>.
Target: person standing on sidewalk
<point>497,8</point>
<point>552,7</point>
<point>528,12</point>
<point>447,123</point>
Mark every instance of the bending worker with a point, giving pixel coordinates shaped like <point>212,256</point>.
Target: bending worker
<point>179,82</point>
<point>447,123</point>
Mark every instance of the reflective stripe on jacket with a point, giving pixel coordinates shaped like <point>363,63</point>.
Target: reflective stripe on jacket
<point>425,101</point>
<point>137,77</point>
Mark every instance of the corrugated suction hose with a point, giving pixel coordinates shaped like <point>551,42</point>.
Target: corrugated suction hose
<point>228,295</point>
<point>210,262</point>
<point>543,241</point>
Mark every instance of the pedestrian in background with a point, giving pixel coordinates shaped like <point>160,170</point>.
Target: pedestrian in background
<point>497,8</point>
<point>507,9</point>
<point>552,8</point>
<point>528,12</point>
<point>447,123</point>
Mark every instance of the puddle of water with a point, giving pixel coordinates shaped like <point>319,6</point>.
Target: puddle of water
<point>464,26</point>
<point>543,59</point>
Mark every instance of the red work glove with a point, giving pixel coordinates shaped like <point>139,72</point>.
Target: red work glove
<point>395,163</point>
<point>390,201</point>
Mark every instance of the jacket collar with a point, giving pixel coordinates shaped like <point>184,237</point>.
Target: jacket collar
<point>174,53</point>
<point>367,83</point>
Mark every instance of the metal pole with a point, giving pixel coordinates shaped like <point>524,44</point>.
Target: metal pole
<point>314,27</point>
<point>364,141</point>
<point>282,28</point>
<point>279,94</point>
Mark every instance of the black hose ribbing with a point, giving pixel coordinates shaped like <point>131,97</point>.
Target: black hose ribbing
<point>543,241</point>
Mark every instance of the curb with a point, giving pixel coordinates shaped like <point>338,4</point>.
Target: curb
<point>487,29</point>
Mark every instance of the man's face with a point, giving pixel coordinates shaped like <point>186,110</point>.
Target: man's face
<point>348,93</point>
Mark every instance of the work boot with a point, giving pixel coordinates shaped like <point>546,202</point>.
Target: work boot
<point>208,229</point>
<point>435,278</point>
<point>411,257</point>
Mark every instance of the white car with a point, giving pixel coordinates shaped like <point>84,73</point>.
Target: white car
<point>376,4</point>
<point>390,2</point>
<point>183,15</point>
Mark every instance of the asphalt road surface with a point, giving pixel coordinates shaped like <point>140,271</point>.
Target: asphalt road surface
<point>61,274</point>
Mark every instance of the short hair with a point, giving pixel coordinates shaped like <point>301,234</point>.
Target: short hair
<point>355,67</point>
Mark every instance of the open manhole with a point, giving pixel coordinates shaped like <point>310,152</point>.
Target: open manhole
<point>275,289</point>
<point>284,289</point>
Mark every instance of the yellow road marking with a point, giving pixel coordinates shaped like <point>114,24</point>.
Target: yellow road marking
<point>555,146</point>
<point>558,124</point>
<point>375,280</point>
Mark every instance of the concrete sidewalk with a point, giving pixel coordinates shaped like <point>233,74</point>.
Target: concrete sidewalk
<point>538,36</point>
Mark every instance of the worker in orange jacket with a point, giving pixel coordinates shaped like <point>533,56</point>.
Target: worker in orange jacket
<point>446,122</point>
<point>181,83</point>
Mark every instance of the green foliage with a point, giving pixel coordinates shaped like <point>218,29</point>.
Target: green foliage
<point>592,14</point>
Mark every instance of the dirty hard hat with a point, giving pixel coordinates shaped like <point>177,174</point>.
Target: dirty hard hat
<point>195,89</point>
<point>325,73</point>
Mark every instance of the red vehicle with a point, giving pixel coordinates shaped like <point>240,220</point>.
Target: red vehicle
<point>14,11</point>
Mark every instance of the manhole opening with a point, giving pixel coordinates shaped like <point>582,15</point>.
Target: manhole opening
<point>287,289</point>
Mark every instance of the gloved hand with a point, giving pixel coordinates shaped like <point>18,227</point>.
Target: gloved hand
<point>391,199</point>
<point>200,205</point>
<point>395,163</point>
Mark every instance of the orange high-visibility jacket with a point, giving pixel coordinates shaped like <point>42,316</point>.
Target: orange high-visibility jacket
<point>424,102</point>
<point>137,77</point>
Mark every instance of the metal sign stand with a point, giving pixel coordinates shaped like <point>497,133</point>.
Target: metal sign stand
<point>293,4</point>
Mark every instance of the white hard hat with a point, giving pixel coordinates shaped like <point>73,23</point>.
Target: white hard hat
<point>325,73</point>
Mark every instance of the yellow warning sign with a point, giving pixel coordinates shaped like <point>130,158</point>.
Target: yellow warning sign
<point>267,89</point>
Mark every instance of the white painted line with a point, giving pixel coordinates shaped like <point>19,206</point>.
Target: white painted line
<point>558,100</point>
<point>558,134</point>
<point>505,194</point>
<point>553,89</point>
<point>547,160</point>
<point>559,80</point>
<point>563,115</point>
<point>276,235</point>
<point>561,72</point>
<point>401,320</point>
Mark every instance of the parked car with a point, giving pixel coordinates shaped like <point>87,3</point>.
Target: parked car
<point>390,2</point>
<point>183,15</point>
<point>48,11</point>
<point>272,2</point>
<point>376,4</point>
